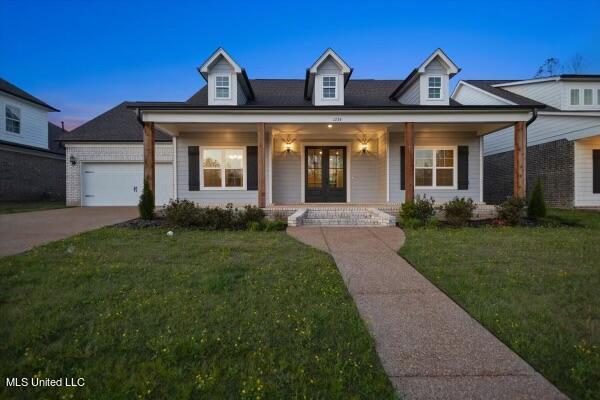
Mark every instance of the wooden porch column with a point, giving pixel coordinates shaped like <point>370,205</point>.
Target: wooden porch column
<point>409,161</point>
<point>261,165</point>
<point>520,173</point>
<point>149,159</point>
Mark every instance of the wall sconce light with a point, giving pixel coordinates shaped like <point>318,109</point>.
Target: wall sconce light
<point>364,145</point>
<point>288,145</point>
<point>72,160</point>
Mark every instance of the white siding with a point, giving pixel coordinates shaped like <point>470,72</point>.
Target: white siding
<point>436,139</point>
<point>543,92</point>
<point>222,67</point>
<point>34,123</point>
<point>435,68</point>
<point>566,95</point>
<point>584,197</point>
<point>412,94</point>
<point>546,128</point>
<point>367,171</point>
<point>212,197</point>
<point>469,96</point>
<point>328,67</point>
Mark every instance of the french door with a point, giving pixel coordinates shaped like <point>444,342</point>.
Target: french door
<point>325,174</point>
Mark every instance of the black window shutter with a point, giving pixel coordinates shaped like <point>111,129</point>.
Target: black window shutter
<point>596,170</point>
<point>402,168</point>
<point>463,167</point>
<point>252,167</point>
<point>193,168</point>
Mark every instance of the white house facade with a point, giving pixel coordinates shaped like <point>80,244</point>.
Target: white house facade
<point>563,141</point>
<point>297,143</point>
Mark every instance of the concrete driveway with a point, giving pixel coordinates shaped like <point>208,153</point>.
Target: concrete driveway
<point>22,231</point>
<point>429,346</point>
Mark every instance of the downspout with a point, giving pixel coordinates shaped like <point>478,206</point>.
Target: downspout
<point>533,117</point>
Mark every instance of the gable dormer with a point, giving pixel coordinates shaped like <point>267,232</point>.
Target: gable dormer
<point>429,83</point>
<point>228,84</point>
<point>326,80</point>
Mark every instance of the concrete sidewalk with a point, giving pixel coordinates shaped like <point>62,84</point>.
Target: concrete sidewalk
<point>429,346</point>
<point>22,231</point>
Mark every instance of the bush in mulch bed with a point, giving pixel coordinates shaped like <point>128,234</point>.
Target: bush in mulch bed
<point>186,214</point>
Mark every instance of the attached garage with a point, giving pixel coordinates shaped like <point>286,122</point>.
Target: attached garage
<point>121,184</point>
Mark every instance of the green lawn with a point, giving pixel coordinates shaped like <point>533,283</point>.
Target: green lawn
<point>537,289</point>
<point>198,315</point>
<point>11,207</point>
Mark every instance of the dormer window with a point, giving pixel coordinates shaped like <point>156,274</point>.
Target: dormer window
<point>329,87</point>
<point>435,87</point>
<point>13,119</point>
<point>222,87</point>
<point>574,97</point>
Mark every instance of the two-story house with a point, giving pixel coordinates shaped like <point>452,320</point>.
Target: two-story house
<point>563,141</point>
<point>295,144</point>
<point>32,161</point>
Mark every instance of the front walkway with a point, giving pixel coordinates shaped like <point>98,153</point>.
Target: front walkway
<point>22,231</point>
<point>429,346</point>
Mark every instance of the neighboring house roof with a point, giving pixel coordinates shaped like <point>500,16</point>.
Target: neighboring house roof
<point>273,93</point>
<point>119,124</point>
<point>487,85</point>
<point>54,133</point>
<point>7,87</point>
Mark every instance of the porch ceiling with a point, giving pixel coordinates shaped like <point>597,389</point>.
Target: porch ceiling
<point>478,128</point>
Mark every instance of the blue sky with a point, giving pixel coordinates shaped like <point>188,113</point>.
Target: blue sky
<point>84,57</point>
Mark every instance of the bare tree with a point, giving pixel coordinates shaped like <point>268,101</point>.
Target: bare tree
<point>575,64</point>
<point>550,67</point>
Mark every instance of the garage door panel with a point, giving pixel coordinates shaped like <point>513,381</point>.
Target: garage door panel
<point>121,184</point>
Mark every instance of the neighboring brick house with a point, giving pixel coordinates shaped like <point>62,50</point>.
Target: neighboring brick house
<point>563,141</point>
<point>32,161</point>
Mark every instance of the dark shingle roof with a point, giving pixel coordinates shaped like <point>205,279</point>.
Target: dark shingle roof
<point>7,87</point>
<point>505,94</point>
<point>119,124</point>
<point>55,132</point>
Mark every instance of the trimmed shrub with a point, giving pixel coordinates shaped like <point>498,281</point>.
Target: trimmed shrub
<point>458,211</point>
<point>411,223</point>
<point>146,204</point>
<point>537,205</point>
<point>421,208</point>
<point>511,211</point>
<point>184,213</point>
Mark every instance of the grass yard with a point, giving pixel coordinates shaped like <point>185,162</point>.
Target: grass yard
<point>11,207</point>
<point>537,289</point>
<point>198,315</point>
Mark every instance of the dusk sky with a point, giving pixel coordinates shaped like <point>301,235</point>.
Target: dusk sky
<point>84,57</point>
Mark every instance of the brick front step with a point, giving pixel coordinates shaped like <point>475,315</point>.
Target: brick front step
<point>341,217</point>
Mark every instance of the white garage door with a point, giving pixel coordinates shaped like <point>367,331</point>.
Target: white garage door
<point>121,184</point>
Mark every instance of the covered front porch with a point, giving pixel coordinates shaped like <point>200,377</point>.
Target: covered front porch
<point>379,160</point>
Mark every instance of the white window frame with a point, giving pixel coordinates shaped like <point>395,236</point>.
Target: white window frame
<point>223,187</point>
<point>591,91</point>
<point>335,88</point>
<point>435,87</point>
<point>17,110</point>
<point>578,97</point>
<point>228,76</point>
<point>434,172</point>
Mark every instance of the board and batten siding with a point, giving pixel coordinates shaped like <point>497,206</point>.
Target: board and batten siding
<point>584,196</point>
<point>212,197</point>
<point>437,139</point>
<point>34,123</point>
<point>546,128</point>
